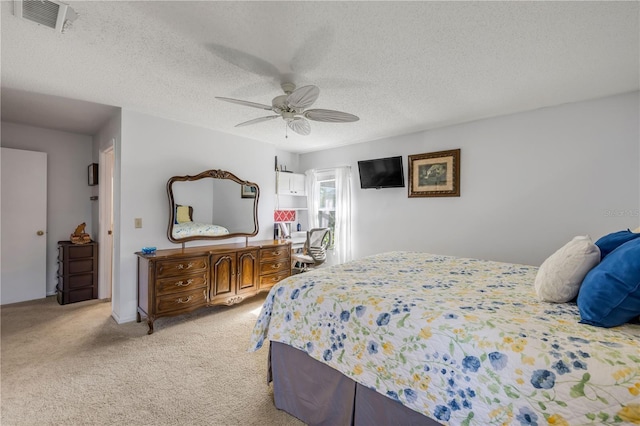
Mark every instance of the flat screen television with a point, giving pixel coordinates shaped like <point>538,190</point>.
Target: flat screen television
<point>381,173</point>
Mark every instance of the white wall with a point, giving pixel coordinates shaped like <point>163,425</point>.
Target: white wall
<point>529,183</point>
<point>68,192</point>
<point>288,160</point>
<point>153,150</point>
<point>104,139</point>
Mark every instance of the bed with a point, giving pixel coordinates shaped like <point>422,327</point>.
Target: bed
<point>184,226</point>
<point>415,338</point>
<point>190,229</point>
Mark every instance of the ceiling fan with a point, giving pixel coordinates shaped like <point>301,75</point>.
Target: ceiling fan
<point>292,108</point>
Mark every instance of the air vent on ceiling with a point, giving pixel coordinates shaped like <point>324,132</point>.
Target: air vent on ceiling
<point>53,14</point>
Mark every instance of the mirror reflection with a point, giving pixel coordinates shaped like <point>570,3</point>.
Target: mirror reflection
<point>214,204</point>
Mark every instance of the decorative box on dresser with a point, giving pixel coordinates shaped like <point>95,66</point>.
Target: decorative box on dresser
<point>176,281</point>
<point>77,272</point>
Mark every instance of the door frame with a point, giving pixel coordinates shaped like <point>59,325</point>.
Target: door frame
<point>105,220</point>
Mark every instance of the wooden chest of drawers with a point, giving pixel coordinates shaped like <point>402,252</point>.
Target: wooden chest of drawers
<point>176,281</point>
<point>77,272</point>
<point>275,265</point>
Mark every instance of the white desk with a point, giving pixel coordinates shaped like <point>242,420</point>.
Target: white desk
<point>297,243</point>
<point>298,239</point>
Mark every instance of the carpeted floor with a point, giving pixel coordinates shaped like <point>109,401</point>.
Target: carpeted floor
<point>73,365</point>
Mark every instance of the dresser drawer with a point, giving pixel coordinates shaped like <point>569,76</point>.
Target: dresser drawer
<point>181,301</point>
<point>76,295</point>
<point>180,284</point>
<point>76,251</point>
<point>76,281</point>
<point>80,266</point>
<point>275,253</point>
<point>171,268</point>
<point>273,267</point>
<point>267,281</point>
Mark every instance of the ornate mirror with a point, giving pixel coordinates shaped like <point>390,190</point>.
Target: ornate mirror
<point>212,205</point>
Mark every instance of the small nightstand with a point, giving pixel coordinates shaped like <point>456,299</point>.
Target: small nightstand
<point>77,272</point>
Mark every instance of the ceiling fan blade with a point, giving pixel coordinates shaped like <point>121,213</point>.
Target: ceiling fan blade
<point>257,120</point>
<point>303,97</point>
<point>329,116</point>
<point>245,103</point>
<point>245,61</point>
<point>299,125</point>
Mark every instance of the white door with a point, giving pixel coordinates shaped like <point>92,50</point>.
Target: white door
<point>24,225</point>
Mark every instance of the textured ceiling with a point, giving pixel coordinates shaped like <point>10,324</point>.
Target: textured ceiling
<point>400,67</point>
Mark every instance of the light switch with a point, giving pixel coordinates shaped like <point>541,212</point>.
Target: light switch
<point>138,222</point>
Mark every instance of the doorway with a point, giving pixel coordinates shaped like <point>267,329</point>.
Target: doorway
<point>105,220</point>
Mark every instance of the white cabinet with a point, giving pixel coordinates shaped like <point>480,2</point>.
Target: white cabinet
<point>290,184</point>
<point>298,184</point>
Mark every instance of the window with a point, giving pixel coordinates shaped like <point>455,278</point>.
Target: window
<point>327,205</point>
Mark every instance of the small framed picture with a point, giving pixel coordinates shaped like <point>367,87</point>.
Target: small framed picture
<point>435,174</point>
<point>93,174</point>
<point>248,191</point>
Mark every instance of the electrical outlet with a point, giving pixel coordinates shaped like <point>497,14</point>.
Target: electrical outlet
<point>138,222</point>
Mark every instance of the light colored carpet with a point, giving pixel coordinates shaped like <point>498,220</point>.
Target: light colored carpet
<point>73,365</point>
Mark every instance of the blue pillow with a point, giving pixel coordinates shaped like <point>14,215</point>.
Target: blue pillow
<point>610,293</point>
<point>610,242</point>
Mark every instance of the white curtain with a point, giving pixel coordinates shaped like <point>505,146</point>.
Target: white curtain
<point>342,244</point>
<point>313,198</point>
<point>342,233</point>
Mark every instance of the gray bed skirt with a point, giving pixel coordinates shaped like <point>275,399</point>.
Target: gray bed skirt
<point>319,395</point>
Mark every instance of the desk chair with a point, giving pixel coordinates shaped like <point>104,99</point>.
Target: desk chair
<point>314,252</point>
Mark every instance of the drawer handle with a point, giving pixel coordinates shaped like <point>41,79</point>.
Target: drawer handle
<point>275,265</point>
<point>276,253</point>
<point>184,301</point>
<point>183,284</point>
<point>181,266</point>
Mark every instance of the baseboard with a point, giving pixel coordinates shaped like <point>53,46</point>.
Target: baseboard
<point>122,320</point>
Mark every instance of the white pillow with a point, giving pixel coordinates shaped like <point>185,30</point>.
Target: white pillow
<point>637,230</point>
<point>560,276</point>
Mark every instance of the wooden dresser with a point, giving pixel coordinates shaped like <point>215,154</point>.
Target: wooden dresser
<point>176,281</point>
<point>77,272</point>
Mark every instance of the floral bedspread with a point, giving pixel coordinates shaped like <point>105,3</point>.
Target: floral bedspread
<point>463,341</point>
<point>190,229</point>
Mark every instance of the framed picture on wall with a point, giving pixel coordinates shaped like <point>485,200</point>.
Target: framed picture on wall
<point>248,191</point>
<point>435,174</point>
<point>93,174</point>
